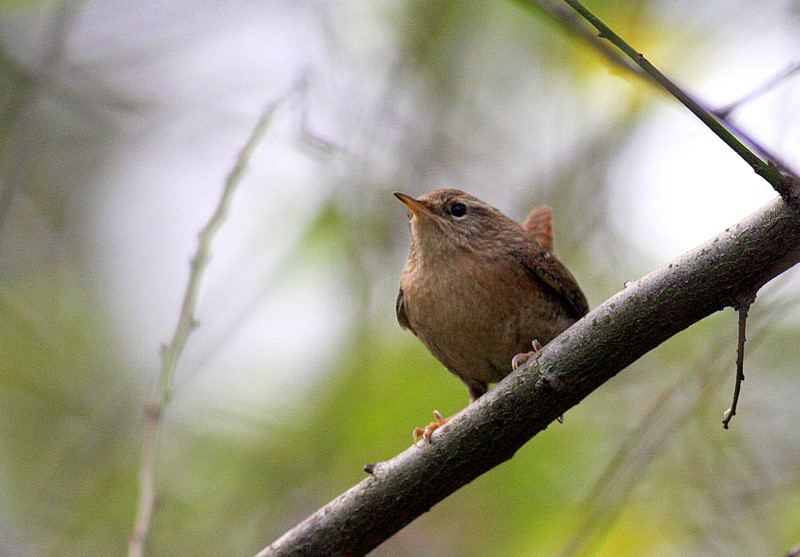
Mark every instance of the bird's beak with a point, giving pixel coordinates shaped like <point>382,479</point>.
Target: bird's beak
<point>416,207</point>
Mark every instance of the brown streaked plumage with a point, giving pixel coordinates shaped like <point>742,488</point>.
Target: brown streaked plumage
<point>478,288</point>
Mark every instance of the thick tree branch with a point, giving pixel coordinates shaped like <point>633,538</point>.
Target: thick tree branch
<point>636,320</point>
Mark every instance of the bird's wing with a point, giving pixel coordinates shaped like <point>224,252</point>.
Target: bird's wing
<point>543,266</point>
<point>400,307</point>
<point>539,224</point>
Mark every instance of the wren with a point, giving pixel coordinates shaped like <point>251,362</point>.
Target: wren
<point>478,288</point>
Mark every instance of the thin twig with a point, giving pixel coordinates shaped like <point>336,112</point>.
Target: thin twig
<point>762,151</point>
<point>786,183</point>
<point>743,309</point>
<point>762,89</point>
<point>171,353</point>
<point>725,112</point>
<point>566,18</point>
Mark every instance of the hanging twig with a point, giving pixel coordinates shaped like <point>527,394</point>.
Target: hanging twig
<point>743,309</point>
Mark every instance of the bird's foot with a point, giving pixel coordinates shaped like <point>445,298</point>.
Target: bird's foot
<point>523,357</point>
<point>427,431</point>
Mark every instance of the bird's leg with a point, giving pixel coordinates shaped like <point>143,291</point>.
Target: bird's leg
<point>427,431</point>
<point>523,357</point>
<point>476,390</point>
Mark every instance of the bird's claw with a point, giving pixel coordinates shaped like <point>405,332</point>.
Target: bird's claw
<point>426,432</point>
<point>523,357</point>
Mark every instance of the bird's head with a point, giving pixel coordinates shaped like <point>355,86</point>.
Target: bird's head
<point>448,220</point>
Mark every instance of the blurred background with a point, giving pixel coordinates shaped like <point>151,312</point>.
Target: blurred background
<point>119,121</point>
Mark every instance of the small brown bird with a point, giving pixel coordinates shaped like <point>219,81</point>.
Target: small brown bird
<point>478,288</point>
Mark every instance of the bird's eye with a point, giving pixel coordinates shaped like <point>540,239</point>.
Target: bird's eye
<point>458,210</point>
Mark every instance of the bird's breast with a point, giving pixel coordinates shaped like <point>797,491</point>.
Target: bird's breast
<point>475,313</point>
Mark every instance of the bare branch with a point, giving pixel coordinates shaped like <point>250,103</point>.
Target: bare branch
<point>762,89</point>
<point>647,312</point>
<point>171,353</point>
<point>568,20</point>
<point>773,170</point>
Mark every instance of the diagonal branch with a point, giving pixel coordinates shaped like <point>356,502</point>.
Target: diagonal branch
<point>763,161</point>
<point>568,20</point>
<point>771,170</point>
<point>488,432</point>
